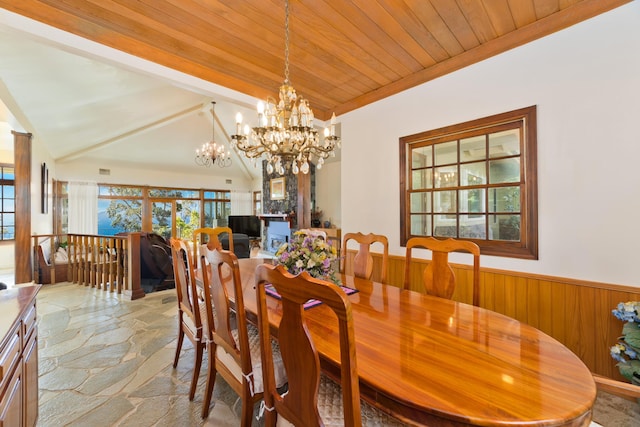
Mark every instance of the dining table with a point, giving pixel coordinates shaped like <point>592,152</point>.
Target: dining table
<point>432,361</point>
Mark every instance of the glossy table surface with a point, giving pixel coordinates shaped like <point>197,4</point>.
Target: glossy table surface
<point>437,362</point>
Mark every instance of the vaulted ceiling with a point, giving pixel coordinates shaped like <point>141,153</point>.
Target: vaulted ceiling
<point>343,54</point>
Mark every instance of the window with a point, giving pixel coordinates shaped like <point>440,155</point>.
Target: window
<point>8,193</point>
<point>217,208</point>
<point>119,209</point>
<point>166,211</point>
<point>473,181</point>
<point>257,203</point>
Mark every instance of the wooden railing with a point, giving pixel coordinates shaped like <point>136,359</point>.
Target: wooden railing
<point>109,263</point>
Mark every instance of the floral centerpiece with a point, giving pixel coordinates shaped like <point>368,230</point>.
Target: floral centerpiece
<point>628,347</point>
<point>306,252</point>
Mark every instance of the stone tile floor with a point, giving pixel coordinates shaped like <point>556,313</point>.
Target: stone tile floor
<point>108,362</point>
<point>105,361</point>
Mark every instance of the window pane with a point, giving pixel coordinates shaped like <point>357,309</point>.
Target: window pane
<point>474,148</point>
<point>172,193</point>
<point>505,227</point>
<point>210,195</point>
<point>420,202</point>
<point>8,191</point>
<point>504,199</point>
<point>444,201</point>
<point>64,214</point>
<point>421,157</point>
<point>421,225</point>
<point>187,218</point>
<point>446,153</point>
<point>446,176</point>
<point>421,179</point>
<point>505,170</point>
<point>8,205</point>
<point>115,190</point>
<point>161,218</point>
<point>445,226</point>
<point>8,173</point>
<point>117,216</point>
<point>473,226</point>
<point>505,143</point>
<point>216,214</point>
<point>8,232</point>
<point>473,174</point>
<point>8,219</point>
<point>472,200</point>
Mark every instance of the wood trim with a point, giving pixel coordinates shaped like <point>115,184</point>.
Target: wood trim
<point>575,312</point>
<point>22,159</point>
<point>619,388</point>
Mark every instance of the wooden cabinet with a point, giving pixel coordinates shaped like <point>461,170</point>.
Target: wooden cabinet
<point>18,357</point>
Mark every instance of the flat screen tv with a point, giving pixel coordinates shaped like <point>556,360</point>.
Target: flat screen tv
<point>245,224</point>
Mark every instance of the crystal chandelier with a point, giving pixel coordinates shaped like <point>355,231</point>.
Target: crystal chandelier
<point>211,152</point>
<point>285,135</point>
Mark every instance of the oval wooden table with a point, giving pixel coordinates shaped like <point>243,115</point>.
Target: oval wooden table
<point>432,361</point>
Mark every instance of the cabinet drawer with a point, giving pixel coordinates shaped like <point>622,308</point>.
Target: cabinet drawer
<point>29,321</point>
<point>9,356</point>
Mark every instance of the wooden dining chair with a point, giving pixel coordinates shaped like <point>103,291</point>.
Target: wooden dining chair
<point>313,233</point>
<point>212,240</point>
<point>190,308</point>
<point>363,261</point>
<point>235,353</point>
<point>311,397</point>
<point>438,277</point>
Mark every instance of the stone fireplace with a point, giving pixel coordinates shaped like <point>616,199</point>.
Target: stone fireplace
<point>277,231</point>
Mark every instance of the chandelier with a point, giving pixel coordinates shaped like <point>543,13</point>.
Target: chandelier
<point>211,152</point>
<point>285,135</point>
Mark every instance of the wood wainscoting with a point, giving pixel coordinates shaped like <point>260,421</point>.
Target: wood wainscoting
<point>576,313</point>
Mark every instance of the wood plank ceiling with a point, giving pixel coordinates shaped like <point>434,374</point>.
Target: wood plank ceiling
<point>343,54</point>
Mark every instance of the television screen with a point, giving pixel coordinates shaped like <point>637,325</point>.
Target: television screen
<point>245,224</point>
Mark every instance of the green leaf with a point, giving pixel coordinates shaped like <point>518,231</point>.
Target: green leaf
<point>629,327</point>
<point>627,369</point>
<point>632,337</point>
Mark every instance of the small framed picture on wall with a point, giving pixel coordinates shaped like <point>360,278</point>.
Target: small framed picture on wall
<point>277,189</point>
<point>44,192</point>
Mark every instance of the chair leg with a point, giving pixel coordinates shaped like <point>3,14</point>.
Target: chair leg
<point>211,379</point>
<point>247,407</point>
<point>178,346</point>
<point>196,370</point>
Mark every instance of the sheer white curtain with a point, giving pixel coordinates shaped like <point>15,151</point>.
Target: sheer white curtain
<point>83,207</point>
<point>241,203</point>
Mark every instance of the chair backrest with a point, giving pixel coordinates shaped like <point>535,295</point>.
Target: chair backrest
<point>224,269</point>
<point>299,355</point>
<point>185,282</point>
<point>212,242</point>
<point>363,261</point>
<point>438,277</point>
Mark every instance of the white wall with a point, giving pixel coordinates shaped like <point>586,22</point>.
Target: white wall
<point>585,81</point>
<point>126,174</point>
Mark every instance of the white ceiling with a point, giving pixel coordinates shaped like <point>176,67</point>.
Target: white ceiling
<point>87,102</point>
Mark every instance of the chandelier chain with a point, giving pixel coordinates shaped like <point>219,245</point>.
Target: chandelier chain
<point>286,41</point>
